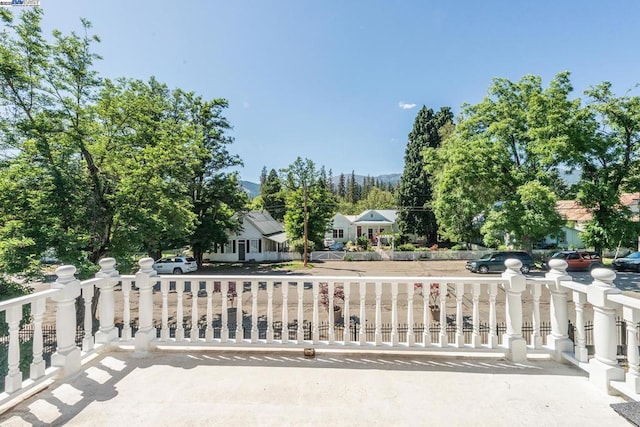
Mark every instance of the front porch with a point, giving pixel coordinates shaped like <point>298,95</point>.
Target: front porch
<point>255,338</point>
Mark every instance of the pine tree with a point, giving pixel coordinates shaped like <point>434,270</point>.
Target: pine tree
<point>414,190</point>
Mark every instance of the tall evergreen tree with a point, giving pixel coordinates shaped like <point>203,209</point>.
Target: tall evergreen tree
<point>342,186</point>
<point>272,197</point>
<point>414,191</point>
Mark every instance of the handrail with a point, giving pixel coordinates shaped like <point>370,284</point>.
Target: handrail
<point>26,299</point>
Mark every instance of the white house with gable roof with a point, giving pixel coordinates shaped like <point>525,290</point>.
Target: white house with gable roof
<point>262,238</point>
<point>370,223</point>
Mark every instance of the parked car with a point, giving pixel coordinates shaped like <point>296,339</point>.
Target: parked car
<point>629,262</point>
<point>328,242</point>
<point>337,246</point>
<point>175,265</point>
<point>579,260</point>
<point>494,262</point>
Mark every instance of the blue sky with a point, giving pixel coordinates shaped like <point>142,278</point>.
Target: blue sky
<point>333,81</point>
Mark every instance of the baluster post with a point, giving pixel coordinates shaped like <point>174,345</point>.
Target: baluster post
<point>87,296</point>
<point>559,338</point>
<point>476,339</point>
<point>492,339</point>
<point>106,300</point>
<point>411,339</point>
<point>13,380</point>
<point>632,317</point>
<point>394,314</point>
<point>67,355</point>
<point>580,337</point>
<point>603,368</point>
<point>536,337</point>
<point>515,285</point>
<point>459,315</point>
<point>145,279</point>
<point>37,368</point>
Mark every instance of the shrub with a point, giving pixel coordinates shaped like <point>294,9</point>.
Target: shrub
<point>407,247</point>
<point>363,242</point>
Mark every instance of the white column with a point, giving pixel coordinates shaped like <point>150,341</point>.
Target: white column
<point>459,316</point>
<point>285,312</point>
<point>346,313</point>
<point>67,355</point>
<point>411,339</point>
<point>126,310</point>
<point>492,339</point>
<point>315,331</point>
<point>394,314</point>
<point>378,333</point>
<point>476,339</point>
<point>145,279</point>
<point>254,310</point>
<point>164,291</point>
<point>559,338</point>
<point>363,314</point>
<point>536,337</point>
<point>515,286</point>
<point>270,311</point>
<point>87,297</point>
<point>427,318</point>
<point>580,337</point>
<point>239,313</point>
<point>224,316</point>
<point>106,301</point>
<point>603,368</point>
<point>37,367</point>
<point>443,289</point>
<point>208,333</point>
<point>13,380</point>
<point>632,378</point>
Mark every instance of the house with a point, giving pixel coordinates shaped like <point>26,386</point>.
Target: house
<point>262,238</point>
<point>576,216</point>
<point>370,223</point>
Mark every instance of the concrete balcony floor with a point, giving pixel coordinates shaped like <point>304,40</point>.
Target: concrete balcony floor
<point>212,387</point>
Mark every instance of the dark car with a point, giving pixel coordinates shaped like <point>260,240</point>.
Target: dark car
<point>337,246</point>
<point>629,262</point>
<point>494,262</point>
<point>579,260</point>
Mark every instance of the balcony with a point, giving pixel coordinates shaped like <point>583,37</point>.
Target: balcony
<point>265,349</point>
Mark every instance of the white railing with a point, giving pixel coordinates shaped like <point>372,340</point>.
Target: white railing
<point>147,312</point>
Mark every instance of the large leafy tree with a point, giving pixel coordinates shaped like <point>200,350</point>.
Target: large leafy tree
<point>608,155</point>
<point>414,193</point>
<point>97,167</point>
<point>503,151</point>
<point>310,203</point>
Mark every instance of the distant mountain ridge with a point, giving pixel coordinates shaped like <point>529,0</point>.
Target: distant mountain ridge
<point>253,189</point>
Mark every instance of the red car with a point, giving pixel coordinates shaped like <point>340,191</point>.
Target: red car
<point>580,260</point>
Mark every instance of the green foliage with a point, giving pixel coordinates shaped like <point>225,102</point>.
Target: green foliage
<point>273,198</point>
<point>501,162</point>
<point>297,246</point>
<point>363,242</point>
<point>414,193</point>
<point>407,247</point>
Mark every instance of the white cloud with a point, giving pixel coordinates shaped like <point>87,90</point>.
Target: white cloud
<point>405,105</point>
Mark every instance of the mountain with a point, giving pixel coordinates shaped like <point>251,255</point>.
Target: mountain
<point>251,188</point>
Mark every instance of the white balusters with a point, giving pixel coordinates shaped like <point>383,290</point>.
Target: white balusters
<point>363,314</point>
<point>514,287</point>
<point>285,311</point>
<point>300,331</point>
<point>270,311</point>
<point>315,332</point>
<point>145,279</point>
<point>346,314</point>
<point>126,310</point>
<point>536,337</point>
<point>67,355</point>
<point>37,367</point>
<point>106,305</point>
<point>427,317</point>
<point>579,336</point>
<point>195,318</point>
<point>459,315</point>
<point>411,339</point>
<point>164,291</point>
<point>394,313</point>
<point>13,380</point>
<point>239,313</point>
<point>332,313</point>
<point>442,299</point>
<point>476,339</point>
<point>208,332</point>
<point>632,377</point>
<point>254,311</point>
<point>559,338</point>
<point>492,340</point>
<point>378,333</point>
<point>224,315</point>
<point>87,297</point>
<point>180,310</point>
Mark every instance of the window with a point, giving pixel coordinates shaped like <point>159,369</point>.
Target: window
<point>338,233</point>
<point>253,246</point>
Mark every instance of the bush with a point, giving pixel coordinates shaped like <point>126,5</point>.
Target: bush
<point>407,247</point>
<point>363,242</point>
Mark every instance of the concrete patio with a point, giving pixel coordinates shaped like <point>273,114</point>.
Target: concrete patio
<point>217,387</point>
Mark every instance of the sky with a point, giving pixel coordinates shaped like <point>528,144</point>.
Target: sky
<point>340,82</point>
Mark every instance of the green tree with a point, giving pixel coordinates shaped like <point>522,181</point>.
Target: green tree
<point>414,192</point>
<point>376,199</point>
<point>310,204</point>
<point>272,196</point>
<point>486,166</point>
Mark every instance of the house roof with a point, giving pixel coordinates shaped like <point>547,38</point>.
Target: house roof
<point>264,222</point>
<point>389,216</point>
<point>571,210</point>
